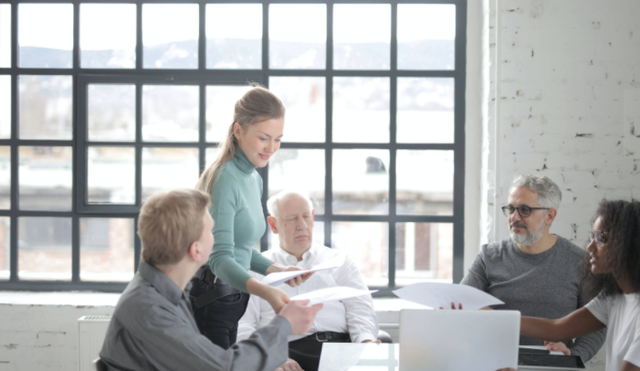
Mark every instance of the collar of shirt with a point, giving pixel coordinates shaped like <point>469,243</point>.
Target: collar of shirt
<point>163,284</point>
<point>308,257</point>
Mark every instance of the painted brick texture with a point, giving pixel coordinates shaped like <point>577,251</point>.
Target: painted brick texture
<point>560,72</point>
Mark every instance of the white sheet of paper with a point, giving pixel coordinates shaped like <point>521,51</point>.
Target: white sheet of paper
<point>331,293</point>
<point>436,295</point>
<point>275,279</point>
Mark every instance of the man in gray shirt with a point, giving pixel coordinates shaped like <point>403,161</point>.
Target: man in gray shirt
<point>535,272</point>
<point>153,327</point>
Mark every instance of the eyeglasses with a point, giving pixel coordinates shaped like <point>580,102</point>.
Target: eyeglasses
<point>599,237</point>
<point>523,210</point>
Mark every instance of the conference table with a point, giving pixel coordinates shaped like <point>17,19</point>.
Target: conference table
<point>363,357</point>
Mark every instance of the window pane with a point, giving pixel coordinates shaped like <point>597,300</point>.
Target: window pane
<point>5,251</point>
<point>164,169</point>
<point>298,36</point>
<point>304,98</point>
<point>300,169</point>
<point>361,36</point>
<point>361,109</point>
<point>426,35</point>
<point>234,36</point>
<point>418,194</point>
<point>5,177</point>
<point>106,249</point>
<point>5,35</point>
<point>170,35</point>
<point>210,155</point>
<point>108,35</point>
<point>220,102</point>
<point>170,113</point>
<point>44,252</point>
<point>424,251</point>
<point>45,35</point>
<point>111,175</point>
<point>317,235</point>
<point>112,112</point>
<point>360,181</point>
<point>368,245</point>
<point>5,107</point>
<point>45,107</point>
<point>45,178</point>
<point>425,110</point>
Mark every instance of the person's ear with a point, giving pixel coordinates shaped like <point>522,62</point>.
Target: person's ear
<point>237,130</point>
<point>551,215</point>
<point>313,212</point>
<point>195,252</point>
<point>272,224</point>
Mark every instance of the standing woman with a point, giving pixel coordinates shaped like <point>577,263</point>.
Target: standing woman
<point>614,268</point>
<point>220,288</point>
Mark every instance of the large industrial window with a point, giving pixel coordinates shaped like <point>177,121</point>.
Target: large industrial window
<point>104,103</point>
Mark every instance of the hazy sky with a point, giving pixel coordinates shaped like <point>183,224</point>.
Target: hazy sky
<point>108,26</point>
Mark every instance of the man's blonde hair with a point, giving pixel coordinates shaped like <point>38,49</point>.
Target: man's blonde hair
<point>169,222</point>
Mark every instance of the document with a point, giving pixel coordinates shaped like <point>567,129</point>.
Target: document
<point>330,294</point>
<point>275,279</point>
<point>436,295</point>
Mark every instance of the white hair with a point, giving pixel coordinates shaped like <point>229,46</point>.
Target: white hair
<point>274,201</point>
<point>549,194</point>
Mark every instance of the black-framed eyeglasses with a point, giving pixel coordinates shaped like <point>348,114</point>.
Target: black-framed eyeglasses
<point>523,210</point>
<point>599,237</point>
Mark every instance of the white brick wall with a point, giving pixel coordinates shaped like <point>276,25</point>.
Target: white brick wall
<point>559,72</point>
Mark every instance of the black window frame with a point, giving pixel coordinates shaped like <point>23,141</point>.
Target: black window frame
<point>203,77</point>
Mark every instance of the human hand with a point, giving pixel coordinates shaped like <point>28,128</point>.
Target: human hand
<point>372,341</point>
<point>300,316</point>
<point>297,281</point>
<point>453,306</point>
<point>558,347</point>
<point>276,298</point>
<point>289,365</point>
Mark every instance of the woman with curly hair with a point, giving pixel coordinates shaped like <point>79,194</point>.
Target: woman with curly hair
<point>614,271</point>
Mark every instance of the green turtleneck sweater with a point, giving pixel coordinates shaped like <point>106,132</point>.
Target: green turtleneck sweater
<point>239,222</point>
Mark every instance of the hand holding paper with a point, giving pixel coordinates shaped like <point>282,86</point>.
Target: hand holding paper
<point>436,295</point>
<point>275,279</point>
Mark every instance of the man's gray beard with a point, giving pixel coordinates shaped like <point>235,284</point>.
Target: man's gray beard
<point>530,237</point>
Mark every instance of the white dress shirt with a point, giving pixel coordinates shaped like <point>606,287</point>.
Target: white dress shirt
<point>354,316</point>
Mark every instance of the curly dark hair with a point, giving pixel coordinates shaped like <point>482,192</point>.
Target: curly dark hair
<point>621,220</point>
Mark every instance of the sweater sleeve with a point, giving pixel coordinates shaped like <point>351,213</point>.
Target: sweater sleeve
<point>224,197</point>
<point>260,263</point>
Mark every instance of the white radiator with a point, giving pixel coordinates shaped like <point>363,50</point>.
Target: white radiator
<point>91,333</point>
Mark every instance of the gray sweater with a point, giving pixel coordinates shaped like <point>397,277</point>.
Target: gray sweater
<point>547,285</point>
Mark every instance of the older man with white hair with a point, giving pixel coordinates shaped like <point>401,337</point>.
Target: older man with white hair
<point>349,320</point>
<point>535,272</point>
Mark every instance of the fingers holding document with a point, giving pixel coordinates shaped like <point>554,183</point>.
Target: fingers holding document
<point>454,306</point>
<point>299,280</point>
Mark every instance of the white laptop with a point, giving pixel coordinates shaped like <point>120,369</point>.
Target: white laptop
<point>458,340</point>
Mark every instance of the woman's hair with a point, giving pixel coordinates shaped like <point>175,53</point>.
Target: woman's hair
<point>621,220</point>
<point>257,105</point>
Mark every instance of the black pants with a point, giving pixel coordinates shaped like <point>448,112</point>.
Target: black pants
<point>218,319</point>
<point>306,351</point>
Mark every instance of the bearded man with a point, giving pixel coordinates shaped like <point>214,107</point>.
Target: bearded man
<point>535,272</point>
